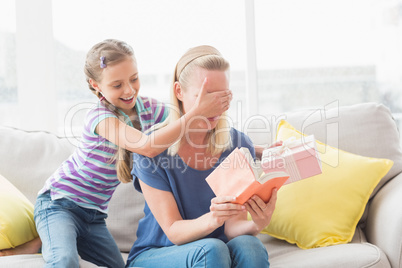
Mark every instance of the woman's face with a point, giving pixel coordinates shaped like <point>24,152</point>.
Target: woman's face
<point>120,84</point>
<point>216,81</point>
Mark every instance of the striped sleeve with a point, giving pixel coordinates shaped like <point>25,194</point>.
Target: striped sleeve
<point>159,111</point>
<point>96,115</point>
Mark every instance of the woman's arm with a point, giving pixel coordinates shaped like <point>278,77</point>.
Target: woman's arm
<point>164,207</point>
<point>260,212</point>
<point>119,133</point>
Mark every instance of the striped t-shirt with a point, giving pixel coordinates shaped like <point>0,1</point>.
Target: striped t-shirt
<point>88,177</point>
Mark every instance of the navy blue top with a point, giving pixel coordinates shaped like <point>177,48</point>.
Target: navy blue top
<point>188,186</point>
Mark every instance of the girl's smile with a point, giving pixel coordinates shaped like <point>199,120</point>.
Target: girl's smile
<point>129,99</point>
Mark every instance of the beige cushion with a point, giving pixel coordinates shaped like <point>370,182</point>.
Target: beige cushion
<point>358,253</point>
<point>33,260</point>
<point>27,159</point>
<point>366,129</point>
<point>125,210</point>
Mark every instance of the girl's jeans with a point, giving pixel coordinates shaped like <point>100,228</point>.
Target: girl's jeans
<point>242,251</point>
<point>68,230</point>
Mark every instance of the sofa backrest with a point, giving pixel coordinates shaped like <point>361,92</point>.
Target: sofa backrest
<point>366,129</point>
<point>28,158</point>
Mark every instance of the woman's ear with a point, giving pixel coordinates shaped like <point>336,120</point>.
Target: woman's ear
<point>178,91</point>
<point>95,85</point>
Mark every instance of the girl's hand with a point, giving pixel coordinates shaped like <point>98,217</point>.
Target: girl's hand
<point>222,209</point>
<point>260,211</point>
<point>214,103</point>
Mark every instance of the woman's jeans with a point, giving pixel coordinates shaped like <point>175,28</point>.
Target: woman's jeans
<point>68,230</point>
<point>242,251</point>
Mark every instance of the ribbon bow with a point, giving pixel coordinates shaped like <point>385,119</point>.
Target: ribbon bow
<point>278,150</point>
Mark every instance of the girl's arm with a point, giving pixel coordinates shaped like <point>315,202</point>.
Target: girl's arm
<point>119,133</point>
<point>164,207</point>
<point>260,212</point>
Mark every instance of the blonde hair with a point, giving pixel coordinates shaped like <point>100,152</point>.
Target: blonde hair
<point>114,52</point>
<point>208,58</point>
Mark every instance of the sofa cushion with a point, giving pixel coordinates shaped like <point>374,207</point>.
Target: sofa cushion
<point>17,225</point>
<point>324,210</point>
<point>357,253</point>
<point>33,261</point>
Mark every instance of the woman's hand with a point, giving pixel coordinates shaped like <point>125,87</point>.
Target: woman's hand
<point>259,149</point>
<point>260,211</point>
<point>222,209</point>
<point>214,103</point>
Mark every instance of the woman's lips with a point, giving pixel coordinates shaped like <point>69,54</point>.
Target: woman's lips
<point>213,118</point>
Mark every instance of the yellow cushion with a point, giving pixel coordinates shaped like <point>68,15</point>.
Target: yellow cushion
<point>16,216</point>
<point>324,210</point>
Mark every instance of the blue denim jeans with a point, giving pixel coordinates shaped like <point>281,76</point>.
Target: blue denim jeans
<point>68,230</point>
<point>242,251</point>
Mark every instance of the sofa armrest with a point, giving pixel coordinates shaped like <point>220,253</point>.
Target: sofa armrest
<point>385,220</point>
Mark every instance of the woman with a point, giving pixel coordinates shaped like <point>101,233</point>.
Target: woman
<point>185,224</point>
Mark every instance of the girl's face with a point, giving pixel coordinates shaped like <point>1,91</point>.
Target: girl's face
<point>217,81</point>
<point>120,85</point>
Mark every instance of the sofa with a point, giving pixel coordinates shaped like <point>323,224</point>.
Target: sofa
<point>27,158</point>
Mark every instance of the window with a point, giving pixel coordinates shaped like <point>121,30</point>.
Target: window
<point>312,53</point>
<point>8,74</point>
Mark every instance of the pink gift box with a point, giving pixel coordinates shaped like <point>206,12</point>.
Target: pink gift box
<point>298,158</point>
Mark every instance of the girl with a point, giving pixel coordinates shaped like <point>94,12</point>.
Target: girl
<point>71,208</point>
<point>185,224</point>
